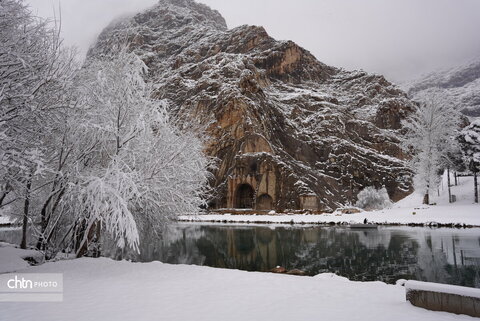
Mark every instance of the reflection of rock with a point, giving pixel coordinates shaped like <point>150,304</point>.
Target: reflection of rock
<point>386,254</point>
<point>310,235</point>
<point>265,236</point>
<point>252,247</point>
<point>244,241</point>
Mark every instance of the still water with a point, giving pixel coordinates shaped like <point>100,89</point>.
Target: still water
<point>385,254</point>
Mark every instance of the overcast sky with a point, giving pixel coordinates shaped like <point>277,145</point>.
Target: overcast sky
<point>398,38</point>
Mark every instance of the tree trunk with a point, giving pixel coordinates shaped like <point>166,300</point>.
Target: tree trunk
<point>5,192</point>
<point>456,180</point>
<point>91,233</point>
<point>2,198</point>
<point>426,198</point>
<point>43,225</point>
<point>476,186</point>
<point>46,218</point>
<point>26,206</point>
<point>448,182</point>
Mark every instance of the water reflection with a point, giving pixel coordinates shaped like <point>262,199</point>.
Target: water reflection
<point>387,254</point>
<point>12,235</point>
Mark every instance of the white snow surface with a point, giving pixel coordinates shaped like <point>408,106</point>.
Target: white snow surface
<point>409,210</point>
<point>103,289</point>
<point>442,288</point>
<point>5,220</point>
<point>12,258</point>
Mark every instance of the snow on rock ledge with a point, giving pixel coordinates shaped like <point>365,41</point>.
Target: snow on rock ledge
<point>442,288</point>
<point>443,297</point>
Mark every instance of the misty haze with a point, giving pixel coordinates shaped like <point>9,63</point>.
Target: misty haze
<point>399,39</point>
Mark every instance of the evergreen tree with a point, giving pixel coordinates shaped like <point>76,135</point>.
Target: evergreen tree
<point>470,141</point>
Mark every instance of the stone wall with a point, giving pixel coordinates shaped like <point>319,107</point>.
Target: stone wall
<point>447,302</point>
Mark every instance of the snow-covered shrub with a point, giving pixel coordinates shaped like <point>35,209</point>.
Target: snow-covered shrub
<point>371,198</point>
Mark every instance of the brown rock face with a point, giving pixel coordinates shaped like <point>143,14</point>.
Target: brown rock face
<point>288,131</point>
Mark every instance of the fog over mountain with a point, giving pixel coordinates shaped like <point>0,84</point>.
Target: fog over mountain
<point>461,84</point>
<point>399,39</point>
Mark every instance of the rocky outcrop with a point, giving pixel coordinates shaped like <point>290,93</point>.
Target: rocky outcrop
<point>460,84</point>
<point>289,132</point>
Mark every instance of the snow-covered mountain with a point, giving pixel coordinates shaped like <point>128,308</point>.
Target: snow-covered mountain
<point>461,84</point>
<point>289,131</point>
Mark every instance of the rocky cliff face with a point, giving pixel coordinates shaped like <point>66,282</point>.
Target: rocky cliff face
<point>289,131</point>
<point>461,85</point>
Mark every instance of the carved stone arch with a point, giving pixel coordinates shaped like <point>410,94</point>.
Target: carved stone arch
<point>244,196</point>
<point>256,143</point>
<point>264,202</point>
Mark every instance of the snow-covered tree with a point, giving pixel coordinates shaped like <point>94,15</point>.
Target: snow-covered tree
<point>34,71</point>
<point>470,141</point>
<point>87,151</point>
<point>452,159</point>
<point>371,198</point>
<point>130,165</point>
<point>430,133</point>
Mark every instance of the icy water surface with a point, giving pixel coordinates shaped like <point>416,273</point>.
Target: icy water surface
<point>385,254</point>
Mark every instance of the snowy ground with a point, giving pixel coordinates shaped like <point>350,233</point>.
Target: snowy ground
<point>13,259</point>
<point>5,220</point>
<point>103,289</point>
<point>408,210</point>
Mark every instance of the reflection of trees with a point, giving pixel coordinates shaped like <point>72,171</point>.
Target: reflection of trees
<point>467,275</point>
<point>465,269</point>
<point>431,261</point>
<point>11,235</point>
<point>383,254</point>
<point>448,258</point>
<point>341,251</point>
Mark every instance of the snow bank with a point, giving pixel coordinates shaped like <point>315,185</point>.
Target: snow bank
<point>5,220</point>
<point>13,259</point>
<point>445,215</point>
<point>102,289</point>
<point>442,288</point>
